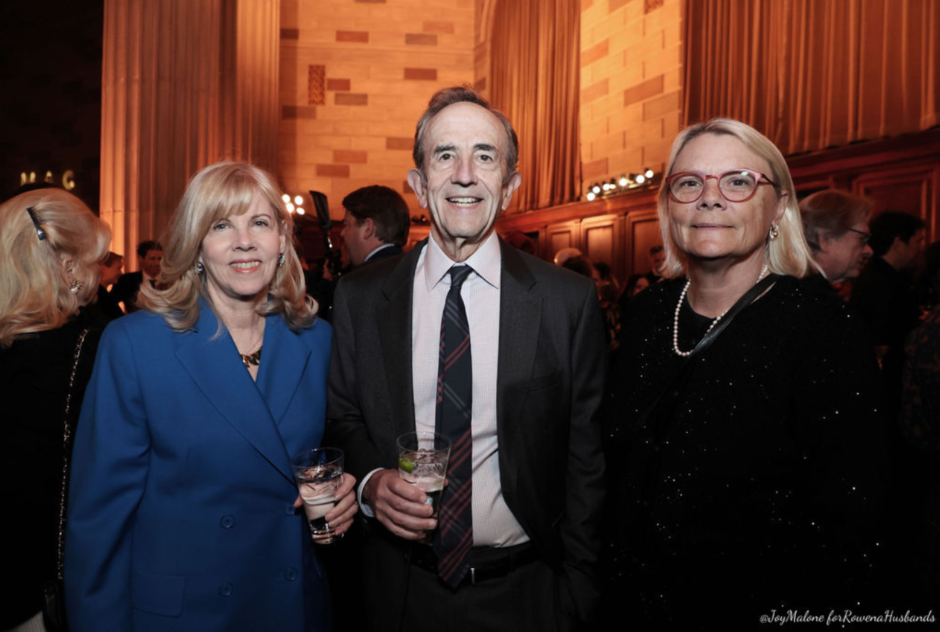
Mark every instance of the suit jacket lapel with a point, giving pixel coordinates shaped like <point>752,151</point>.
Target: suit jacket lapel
<point>394,323</point>
<point>519,324</point>
<point>214,366</point>
<point>285,358</point>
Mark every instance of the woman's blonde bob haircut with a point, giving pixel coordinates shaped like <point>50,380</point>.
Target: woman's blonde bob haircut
<point>788,253</point>
<point>36,274</point>
<point>225,189</point>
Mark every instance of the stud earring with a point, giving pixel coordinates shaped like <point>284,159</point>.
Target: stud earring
<point>199,268</point>
<point>280,260</point>
<point>774,231</point>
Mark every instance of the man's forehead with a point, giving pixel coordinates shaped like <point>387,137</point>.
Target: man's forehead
<point>467,122</point>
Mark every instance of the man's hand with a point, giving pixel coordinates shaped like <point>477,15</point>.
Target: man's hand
<point>398,505</point>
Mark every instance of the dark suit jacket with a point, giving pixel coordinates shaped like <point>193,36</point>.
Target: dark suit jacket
<point>551,377</point>
<point>105,309</point>
<point>383,254</point>
<point>181,500</point>
<point>886,302</point>
<point>126,288</point>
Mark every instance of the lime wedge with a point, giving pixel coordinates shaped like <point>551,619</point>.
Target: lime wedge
<point>406,466</point>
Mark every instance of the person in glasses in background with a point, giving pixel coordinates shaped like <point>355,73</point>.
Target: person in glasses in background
<point>836,228</point>
<point>50,248</point>
<point>758,456</point>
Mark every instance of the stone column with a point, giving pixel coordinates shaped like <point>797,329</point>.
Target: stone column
<point>184,84</point>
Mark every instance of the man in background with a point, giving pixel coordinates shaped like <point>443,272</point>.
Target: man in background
<point>883,292</point>
<point>657,257</point>
<point>375,226</point>
<point>149,256</point>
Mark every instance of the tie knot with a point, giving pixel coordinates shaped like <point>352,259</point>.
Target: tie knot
<point>459,274</point>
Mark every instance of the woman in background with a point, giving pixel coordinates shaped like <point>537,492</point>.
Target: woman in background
<point>182,513</point>
<point>50,247</point>
<point>106,308</point>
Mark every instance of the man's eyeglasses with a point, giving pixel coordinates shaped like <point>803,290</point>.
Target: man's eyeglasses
<point>739,185</point>
<point>865,236</point>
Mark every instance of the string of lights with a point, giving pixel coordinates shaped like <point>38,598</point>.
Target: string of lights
<point>621,185</point>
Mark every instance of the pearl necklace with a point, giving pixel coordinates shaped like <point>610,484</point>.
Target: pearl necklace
<point>675,320</point>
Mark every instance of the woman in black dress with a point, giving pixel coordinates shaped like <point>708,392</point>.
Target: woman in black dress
<point>745,471</point>
<point>50,247</point>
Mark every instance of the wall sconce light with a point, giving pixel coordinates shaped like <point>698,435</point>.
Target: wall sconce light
<point>295,206</point>
<point>621,185</point>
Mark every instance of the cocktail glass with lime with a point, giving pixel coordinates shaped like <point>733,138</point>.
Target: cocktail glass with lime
<point>422,461</point>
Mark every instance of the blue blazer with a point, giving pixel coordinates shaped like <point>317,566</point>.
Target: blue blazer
<point>181,497</point>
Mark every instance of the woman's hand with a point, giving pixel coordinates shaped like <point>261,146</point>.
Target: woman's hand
<point>340,517</point>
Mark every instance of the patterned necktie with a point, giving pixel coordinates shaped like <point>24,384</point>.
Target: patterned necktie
<point>454,537</point>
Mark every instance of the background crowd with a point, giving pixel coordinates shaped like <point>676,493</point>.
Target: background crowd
<point>762,406</point>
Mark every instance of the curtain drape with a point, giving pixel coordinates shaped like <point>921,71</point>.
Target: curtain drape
<point>184,84</point>
<point>812,74</point>
<point>534,80</point>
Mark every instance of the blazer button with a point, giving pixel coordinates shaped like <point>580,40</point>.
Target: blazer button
<point>290,510</point>
<point>290,574</point>
<point>227,521</point>
<point>226,589</point>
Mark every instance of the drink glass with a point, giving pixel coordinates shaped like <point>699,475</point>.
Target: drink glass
<point>319,473</point>
<point>422,461</point>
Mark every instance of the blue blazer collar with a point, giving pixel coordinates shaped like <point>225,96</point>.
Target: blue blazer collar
<point>253,409</point>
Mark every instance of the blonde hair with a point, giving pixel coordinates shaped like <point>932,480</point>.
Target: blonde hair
<point>36,274</point>
<point>225,189</point>
<point>789,252</point>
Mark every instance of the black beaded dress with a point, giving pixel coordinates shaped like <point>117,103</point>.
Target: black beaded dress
<point>756,482</point>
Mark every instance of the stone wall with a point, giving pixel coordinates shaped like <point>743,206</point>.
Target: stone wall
<point>355,77</point>
<point>631,85</point>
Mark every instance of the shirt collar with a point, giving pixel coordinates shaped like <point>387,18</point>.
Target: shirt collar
<point>820,270</point>
<point>486,262</point>
<point>375,250</point>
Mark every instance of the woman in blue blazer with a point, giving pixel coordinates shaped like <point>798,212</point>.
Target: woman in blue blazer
<point>183,508</point>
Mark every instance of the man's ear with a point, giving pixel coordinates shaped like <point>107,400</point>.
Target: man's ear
<point>509,188</point>
<point>897,244</point>
<point>368,228</point>
<point>419,186</point>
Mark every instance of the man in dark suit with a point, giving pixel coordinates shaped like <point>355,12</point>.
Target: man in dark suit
<point>657,257</point>
<point>518,535</point>
<point>375,226</point>
<point>149,256</point>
